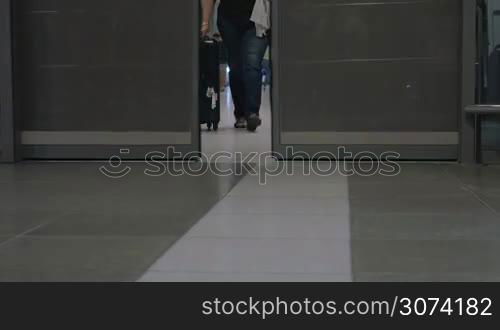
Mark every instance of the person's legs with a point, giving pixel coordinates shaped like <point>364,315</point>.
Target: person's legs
<point>253,50</point>
<point>232,37</point>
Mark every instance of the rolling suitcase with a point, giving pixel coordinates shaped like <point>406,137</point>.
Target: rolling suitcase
<point>209,84</point>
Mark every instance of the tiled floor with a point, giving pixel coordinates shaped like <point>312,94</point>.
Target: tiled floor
<point>68,222</point>
<point>429,223</point>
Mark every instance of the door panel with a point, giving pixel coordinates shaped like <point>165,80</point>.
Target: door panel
<point>375,76</point>
<point>95,76</point>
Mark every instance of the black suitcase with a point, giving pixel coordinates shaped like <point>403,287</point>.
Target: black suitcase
<point>209,84</point>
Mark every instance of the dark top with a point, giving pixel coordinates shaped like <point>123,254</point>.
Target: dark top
<point>236,9</point>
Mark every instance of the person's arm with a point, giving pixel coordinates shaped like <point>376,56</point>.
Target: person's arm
<point>207,7</point>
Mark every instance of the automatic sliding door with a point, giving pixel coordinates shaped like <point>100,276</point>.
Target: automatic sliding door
<point>94,78</point>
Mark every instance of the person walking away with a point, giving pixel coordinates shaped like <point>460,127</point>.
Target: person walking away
<point>246,47</point>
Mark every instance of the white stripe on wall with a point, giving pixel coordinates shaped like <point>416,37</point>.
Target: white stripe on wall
<point>105,138</point>
<point>370,138</point>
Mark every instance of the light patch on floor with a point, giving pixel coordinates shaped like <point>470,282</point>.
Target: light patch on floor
<point>229,139</point>
<point>276,236</point>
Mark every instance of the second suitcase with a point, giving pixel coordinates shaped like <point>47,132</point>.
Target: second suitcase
<point>209,84</point>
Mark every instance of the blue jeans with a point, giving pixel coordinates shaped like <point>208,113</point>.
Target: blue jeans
<point>245,54</point>
<point>268,73</point>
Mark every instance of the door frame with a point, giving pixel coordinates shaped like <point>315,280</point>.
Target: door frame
<point>469,59</point>
<point>8,138</point>
<point>415,151</point>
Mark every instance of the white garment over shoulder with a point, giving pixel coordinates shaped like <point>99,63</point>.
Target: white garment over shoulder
<point>261,16</point>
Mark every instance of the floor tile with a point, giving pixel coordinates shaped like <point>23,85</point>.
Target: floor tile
<point>491,199</point>
<point>125,196</point>
<point>437,227</point>
<point>153,209</point>
<point>79,259</point>
<point>123,224</point>
<point>410,173</point>
<point>284,206</point>
<point>401,189</point>
<point>272,226</point>
<point>4,239</point>
<point>15,222</point>
<point>298,173</point>
<point>427,277</point>
<point>244,277</point>
<point>425,256</point>
<point>257,256</point>
<point>476,177</point>
<point>289,188</point>
<point>48,172</point>
<point>442,205</point>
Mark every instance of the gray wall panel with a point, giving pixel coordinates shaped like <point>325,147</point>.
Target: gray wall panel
<point>329,29</point>
<point>365,96</point>
<point>108,65</point>
<point>372,66</point>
